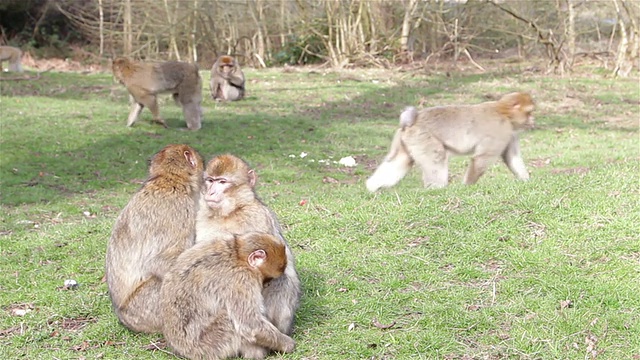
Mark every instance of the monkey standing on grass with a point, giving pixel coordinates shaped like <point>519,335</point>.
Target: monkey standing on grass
<point>13,55</point>
<point>486,131</point>
<point>145,81</point>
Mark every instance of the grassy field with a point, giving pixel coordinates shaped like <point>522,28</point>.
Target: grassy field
<point>545,269</point>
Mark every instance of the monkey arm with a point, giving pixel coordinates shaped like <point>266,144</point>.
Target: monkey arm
<point>236,79</point>
<point>253,326</point>
<point>513,158</point>
<point>215,88</point>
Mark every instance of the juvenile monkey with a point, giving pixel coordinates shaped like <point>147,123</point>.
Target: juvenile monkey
<point>427,137</point>
<point>212,301</point>
<point>13,55</point>
<point>156,226</point>
<point>230,204</point>
<point>227,79</point>
<point>145,81</point>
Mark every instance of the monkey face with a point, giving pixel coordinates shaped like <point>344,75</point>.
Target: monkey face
<point>226,69</point>
<point>214,191</point>
<point>523,117</point>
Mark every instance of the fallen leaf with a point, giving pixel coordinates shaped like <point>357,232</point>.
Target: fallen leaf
<point>20,312</point>
<point>564,304</point>
<point>382,326</point>
<point>329,180</point>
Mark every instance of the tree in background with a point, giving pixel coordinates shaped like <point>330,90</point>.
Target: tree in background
<point>339,33</point>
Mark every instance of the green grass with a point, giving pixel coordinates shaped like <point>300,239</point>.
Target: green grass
<point>479,272</point>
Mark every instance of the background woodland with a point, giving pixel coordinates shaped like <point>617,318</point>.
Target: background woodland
<point>338,33</point>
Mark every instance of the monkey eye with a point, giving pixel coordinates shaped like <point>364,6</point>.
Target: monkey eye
<point>208,180</point>
<point>222,181</point>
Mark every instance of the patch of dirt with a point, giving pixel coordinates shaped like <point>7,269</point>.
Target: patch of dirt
<point>72,324</point>
<point>571,171</point>
<point>15,330</point>
<point>62,65</point>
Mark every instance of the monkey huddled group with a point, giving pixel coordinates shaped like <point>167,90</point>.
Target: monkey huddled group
<point>197,256</point>
<point>145,81</point>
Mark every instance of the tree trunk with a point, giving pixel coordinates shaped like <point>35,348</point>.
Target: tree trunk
<point>128,34</point>
<point>101,25</point>
<point>571,32</point>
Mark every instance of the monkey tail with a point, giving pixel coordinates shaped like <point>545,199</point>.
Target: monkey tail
<point>408,117</point>
<point>394,167</point>
<point>396,146</point>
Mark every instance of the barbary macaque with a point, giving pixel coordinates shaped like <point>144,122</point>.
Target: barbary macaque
<point>427,137</point>
<point>229,203</point>
<point>227,79</point>
<point>145,81</point>
<point>212,304</point>
<point>156,226</point>
<point>13,55</point>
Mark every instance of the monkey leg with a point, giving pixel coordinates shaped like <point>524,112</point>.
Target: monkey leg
<point>268,336</point>
<point>281,298</point>
<point>192,115</point>
<point>190,99</point>
<point>433,159</point>
<point>479,164</point>
<point>136,109</point>
<point>252,351</point>
<point>140,311</point>
<point>151,101</point>
<point>513,158</point>
<point>233,93</point>
<point>214,87</point>
<point>15,66</point>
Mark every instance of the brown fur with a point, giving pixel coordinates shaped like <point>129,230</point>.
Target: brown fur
<point>157,224</point>
<point>145,81</point>
<point>13,55</point>
<point>227,79</point>
<point>238,210</point>
<point>427,137</point>
<point>212,301</point>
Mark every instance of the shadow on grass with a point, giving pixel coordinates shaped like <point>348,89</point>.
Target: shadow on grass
<point>267,125</point>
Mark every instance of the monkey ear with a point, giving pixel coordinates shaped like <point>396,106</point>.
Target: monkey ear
<point>253,178</point>
<point>190,158</point>
<point>257,257</point>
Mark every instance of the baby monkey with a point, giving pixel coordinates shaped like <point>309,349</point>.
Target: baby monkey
<point>427,137</point>
<point>212,304</point>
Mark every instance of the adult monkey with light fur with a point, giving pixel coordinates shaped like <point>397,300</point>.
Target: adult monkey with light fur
<point>230,204</point>
<point>227,79</point>
<point>155,227</point>
<point>13,55</point>
<point>427,137</point>
<point>145,81</point>
<point>212,304</point>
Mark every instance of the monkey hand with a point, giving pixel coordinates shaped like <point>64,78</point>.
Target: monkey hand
<point>288,346</point>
